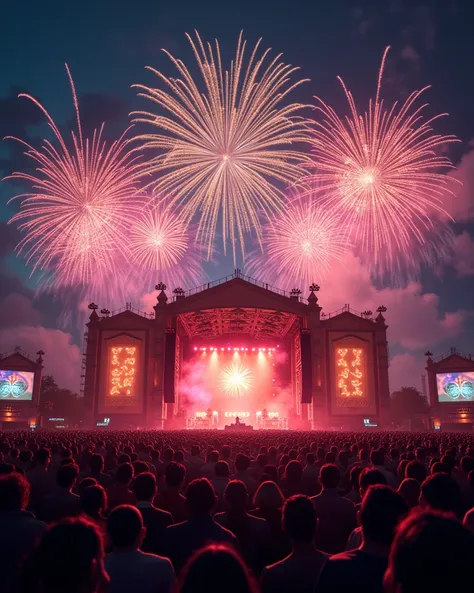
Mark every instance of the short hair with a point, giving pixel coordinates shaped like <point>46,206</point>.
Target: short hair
<point>416,470</point>
<point>242,462</point>
<point>441,492</point>
<point>124,473</point>
<point>124,458</point>
<point>195,450</point>
<point>221,469</point>
<point>294,471</point>
<point>14,492</point>
<point>213,565</point>
<point>93,499</point>
<point>310,458</point>
<point>42,455</point>
<point>85,483</point>
<point>144,486</point>
<point>66,475</point>
<point>25,456</point>
<point>268,494</point>
<point>236,494</point>
<point>96,463</point>
<point>381,511</point>
<point>371,477</point>
<point>124,526</point>
<point>140,467</point>
<point>355,476</point>
<point>66,557</point>
<point>299,519</point>
<point>200,496</point>
<point>431,552</point>
<point>175,474</point>
<point>377,457</point>
<point>213,456</point>
<point>329,476</point>
<point>467,464</point>
<point>410,490</point>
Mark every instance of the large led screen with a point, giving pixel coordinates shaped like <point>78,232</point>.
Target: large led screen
<point>455,387</point>
<point>16,385</point>
<point>123,393</point>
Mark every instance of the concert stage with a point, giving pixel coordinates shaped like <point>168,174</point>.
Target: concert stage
<point>236,348</point>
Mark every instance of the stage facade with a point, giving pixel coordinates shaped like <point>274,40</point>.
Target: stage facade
<point>236,348</point>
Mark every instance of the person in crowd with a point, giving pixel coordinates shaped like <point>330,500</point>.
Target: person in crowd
<point>252,533</point>
<point>62,502</point>
<point>410,490</point>
<point>337,515</point>
<point>41,481</point>
<point>96,465</point>
<point>311,475</point>
<point>69,559</point>
<point>362,570</point>
<point>432,553</point>
<point>377,459</point>
<point>242,464</point>
<point>93,504</point>
<point>20,531</point>
<point>292,481</point>
<point>268,504</point>
<point>181,541</point>
<point>170,498</point>
<point>215,568</point>
<point>354,492</point>
<point>207,470</point>
<point>299,572</point>
<point>120,492</point>
<point>129,568</point>
<point>368,477</point>
<point>441,492</point>
<point>220,481</point>
<point>195,463</point>
<point>156,521</point>
<point>469,516</point>
<point>416,470</point>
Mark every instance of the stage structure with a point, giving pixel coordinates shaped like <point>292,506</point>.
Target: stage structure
<point>451,389</point>
<point>236,348</point>
<point>20,384</point>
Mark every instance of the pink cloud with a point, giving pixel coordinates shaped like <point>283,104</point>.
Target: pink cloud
<point>413,316</point>
<point>463,258</point>
<point>62,358</point>
<point>16,309</point>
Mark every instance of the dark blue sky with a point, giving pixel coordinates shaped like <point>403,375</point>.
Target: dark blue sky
<point>107,44</point>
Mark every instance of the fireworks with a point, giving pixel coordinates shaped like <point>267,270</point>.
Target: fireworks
<point>236,380</point>
<point>300,245</point>
<point>381,171</point>
<point>223,151</point>
<point>76,216</point>
<point>160,248</point>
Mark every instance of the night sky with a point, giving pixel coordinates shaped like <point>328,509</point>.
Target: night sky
<point>108,43</point>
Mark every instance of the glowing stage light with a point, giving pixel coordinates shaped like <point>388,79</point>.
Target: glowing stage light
<point>215,413</point>
<point>236,380</point>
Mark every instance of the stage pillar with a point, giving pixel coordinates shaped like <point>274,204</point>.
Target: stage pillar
<point>90,368</point>
<point>155,407</point>
<point>319,408</point>
<point>382,363</point>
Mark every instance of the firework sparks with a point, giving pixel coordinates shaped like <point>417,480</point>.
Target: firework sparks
<point>382,171</point>
<point>76,216</point>
<point>223,151</point>
<point>160,245</point>
<point>236,380</point>
<point>300,244</point>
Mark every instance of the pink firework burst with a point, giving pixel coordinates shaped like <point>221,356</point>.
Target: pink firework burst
<point>76,216</point>
<point>161,247</point>
<point>300,245</point>
<point>383,172</point>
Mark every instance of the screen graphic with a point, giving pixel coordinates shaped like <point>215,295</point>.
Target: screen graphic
<point>16,385</point>
<point>455,387</point>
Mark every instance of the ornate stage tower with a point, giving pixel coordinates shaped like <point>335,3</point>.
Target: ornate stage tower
<point>338,361</point>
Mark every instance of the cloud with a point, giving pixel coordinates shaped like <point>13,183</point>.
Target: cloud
<point>463,259</point>
<point>461,205</point>
<point>414,317</point>
<point>408,53</point>
<point>17,309</point>
<point>62,358</point>
<point>405,371</point>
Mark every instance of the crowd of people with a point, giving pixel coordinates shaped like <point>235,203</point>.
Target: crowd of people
<point>207,511</point>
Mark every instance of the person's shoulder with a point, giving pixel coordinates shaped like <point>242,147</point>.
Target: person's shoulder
<point>346,556</point>
<point>154,560</point>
